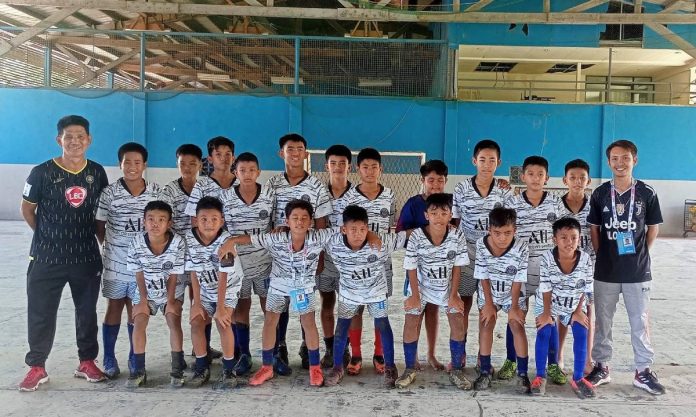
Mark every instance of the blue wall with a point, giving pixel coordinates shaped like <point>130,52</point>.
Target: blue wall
<point>443,129</point>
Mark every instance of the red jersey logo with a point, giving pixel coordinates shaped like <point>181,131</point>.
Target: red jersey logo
<point>76,196</point>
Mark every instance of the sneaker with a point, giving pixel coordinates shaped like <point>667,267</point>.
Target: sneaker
<point>378,363</point>
<point>111,369</point>
<point>199,378</point>
<point>214,354</point>
<point>406,378</point>
<point>391,374</point>
<point>36,376</point>
<point>583,388</point>
<point>354,366</point>
<point>316,376</point>
<point>538,386</point>
<point>458,379</point>
<point>334,377</point>
<point>228,380</point>
<point>304,355</point>
<point>483,382</point>
<point>507,371</point>
<point>327,359</point>
<point>523,384</point>
<point>243,365</point>
<point>262,375</point>
<point>647,380</point>
<point>599,375</point>
<point>89,371</point>
<point>556,374</point>
<point>137,379</point>
<point>280,364</point>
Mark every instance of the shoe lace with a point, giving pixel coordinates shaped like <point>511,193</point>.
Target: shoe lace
<point>649,376</point>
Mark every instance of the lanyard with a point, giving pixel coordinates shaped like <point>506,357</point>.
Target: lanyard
<point>630,209</point>
<point>292,262</point>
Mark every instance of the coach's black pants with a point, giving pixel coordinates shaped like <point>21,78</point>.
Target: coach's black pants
<point>45,283</point>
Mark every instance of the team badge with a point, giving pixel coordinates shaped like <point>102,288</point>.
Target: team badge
<point>263,214</point>
<point>76,196</point>
<point>306,198</point>
<point>580,284</point>
<point>620,209</point>
<point>451,255</point>
<point>167,266</point>
<point>511,270</point>
<point>498,205</point>
<point>551,217</point>
<point>89,179</point>
<point>384,212</point>
<point>372,258</point>
<point>214,258</point>
<point>639,207</point>
<point>311,256</point>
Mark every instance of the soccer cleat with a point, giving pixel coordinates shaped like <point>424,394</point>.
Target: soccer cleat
<point>599,375</point>
<point>36,376</point>
<point>354,366</point>
<point>316,376</point>
<point>111,369</point>
<point>523,384</point>
<point>334,377</point>
<point>391,374</point>
<point>483,382</point>
<point>538,386</point>
<point>458,379</point>
<point>647,380</point>
<point>243,365</point>
<point>228,380</point>
<point>583,388</point>
<point>507,371</point>
<point>378,363</point>
<point>280,364</point>
<point>304,355</point>
<point>137,379</point>
<point>406,378</point>
<point>262,375</point>
<point>199,378</point>
<point>89,371</point>
<point>556,374</point>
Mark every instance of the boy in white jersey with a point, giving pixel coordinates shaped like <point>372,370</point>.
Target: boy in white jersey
<point>501,270</point>
<point>157,259</point>
<point>119,218</point>
<point>378,200</point>
<point>189,159</point>
<point>338,165</point>
<point>362,283</point>
<point>565,288</point>
<point>536,211</point>
<point>248,208</point>
<point>433,259</point>
<point>473,199</point>
<point>296,183</point>
<point>216,283</point>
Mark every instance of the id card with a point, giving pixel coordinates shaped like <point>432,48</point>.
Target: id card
<point>626,243</point>
<point>298,300</point>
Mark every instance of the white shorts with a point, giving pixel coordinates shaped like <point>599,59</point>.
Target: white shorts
<point>419,311</point>
<point>563,318</point>
<point>258,285</point>
<point>377,310</point>
<point>179,292</point>
<point>210,308</point>
<point>279,303</point>
<point>116,290</point>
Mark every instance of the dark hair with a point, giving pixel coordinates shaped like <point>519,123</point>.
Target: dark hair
<point>434,165</point>
<point>291,137</point>
<point>246,157</point>
<point>577,163</point>
<point>355,214</point>
<point>369,153</point>
<point>131,147</point>
<point>535,160</point>
<point>339,150</point>
<point>625,144</point>
<point>209,203</point>
<point>189,149</point>
<point>566,223</point>
<point>299,204</point>
<point>158,205</point>
<point>218,141</point>
<point>486,144</point>
<point>439,201</point>
<point>501,216</point>
<point>72,120</point>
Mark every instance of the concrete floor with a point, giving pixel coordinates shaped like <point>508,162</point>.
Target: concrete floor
<point>672,334</point>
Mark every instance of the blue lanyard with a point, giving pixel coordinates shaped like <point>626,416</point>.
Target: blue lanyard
<point>630,209</point>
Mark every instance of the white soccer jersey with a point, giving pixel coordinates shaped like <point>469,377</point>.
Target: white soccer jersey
<point>380,210</point>
<point>293,270</point>
<point>123,214</point>
<point>362,274</point>
<point>250,219</point>
<point>156,268</point>
<point>338,204</point>
<point>535,226</point>
<point>581,217</point>
<point>204,261</point>
<point>434,264</point>
<point>205,187</point>
<point>174,194</point>
<point>473,209</point>
<point>566,289</point>
<point>310,189</point>
<point>502,271</point>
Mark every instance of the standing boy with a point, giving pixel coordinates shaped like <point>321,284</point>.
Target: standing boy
<point>189,159</point>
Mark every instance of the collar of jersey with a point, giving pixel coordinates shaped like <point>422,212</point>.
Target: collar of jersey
<point>485,242</point>
<point>69,171</point>
<point>554,251</point>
